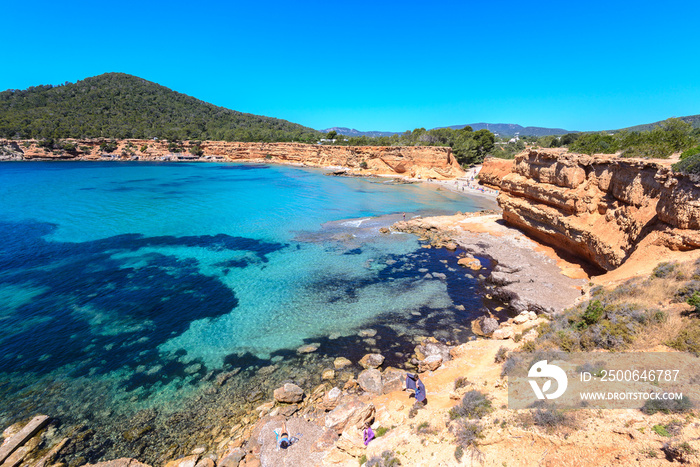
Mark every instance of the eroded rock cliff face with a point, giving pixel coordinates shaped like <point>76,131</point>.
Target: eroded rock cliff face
<point>598,208</point>
<point>418,161</point>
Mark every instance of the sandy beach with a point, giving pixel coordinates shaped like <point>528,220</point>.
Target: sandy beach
<point>467,184</point>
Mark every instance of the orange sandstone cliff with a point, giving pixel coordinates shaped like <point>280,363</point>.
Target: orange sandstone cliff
<point>415,161</point>
<point>599,208</point>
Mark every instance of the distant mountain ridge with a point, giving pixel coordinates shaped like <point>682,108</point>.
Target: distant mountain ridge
<point>352,132</point>
<point>511,129</point>
<point>503,129</point>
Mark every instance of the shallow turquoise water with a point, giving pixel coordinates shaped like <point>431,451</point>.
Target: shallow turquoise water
<point>130,282</point>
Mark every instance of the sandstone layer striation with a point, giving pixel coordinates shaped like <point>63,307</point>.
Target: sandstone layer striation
<point>598,208</point>
<point>411,161</point>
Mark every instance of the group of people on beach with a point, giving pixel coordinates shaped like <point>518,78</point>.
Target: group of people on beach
<point>412,383</point>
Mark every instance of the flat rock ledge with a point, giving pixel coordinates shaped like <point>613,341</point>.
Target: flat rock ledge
<point>525,278</point>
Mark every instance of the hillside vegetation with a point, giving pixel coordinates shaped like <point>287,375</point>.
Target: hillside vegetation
<point>693,120</point>
<point>659,142</point>
<point>117,105</point>
<point>469,146</point>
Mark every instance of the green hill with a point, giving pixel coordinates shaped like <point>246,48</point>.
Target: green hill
<point>694,120</point>
<point>117,105</point>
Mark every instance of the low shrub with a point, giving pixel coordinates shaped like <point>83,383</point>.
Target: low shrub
<point>501,355</point>
<point>686,291</point>
<point>675,427</point>
<point>459,452</point>
<point>667,406</point>
<point>474,405</point>
<point>689,164</point>
<point>467,435</point>
<point>414,410</point>
<point>550,418</point>
<point>461,382</point>
<point>678,451</point>
<point>108,146</point>
<point>694,300</point>
<point>688,339</point>
<point>387,459</point>
<point>424,429</point>
<point>690,152</point>
<point>594,311</point>
<point>174,146</point>
<point>661,431</point>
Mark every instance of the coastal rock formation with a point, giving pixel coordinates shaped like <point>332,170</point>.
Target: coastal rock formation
<point>599,208</point>
<point>289,393</point>
<point>414,161</point>
<point>371,360</point>
<point>494,169</point>
<point>526,279</point>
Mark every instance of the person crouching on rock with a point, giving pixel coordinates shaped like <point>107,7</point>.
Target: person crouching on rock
<point>367,434</point>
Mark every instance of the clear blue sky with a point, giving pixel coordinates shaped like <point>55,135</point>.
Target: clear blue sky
<point>389,66</point>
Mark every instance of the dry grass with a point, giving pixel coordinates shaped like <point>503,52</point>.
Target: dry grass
<point>638,314</point>
<point>662,332</point>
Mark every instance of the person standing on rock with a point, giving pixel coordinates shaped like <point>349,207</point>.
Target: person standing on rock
<point>414,382</point>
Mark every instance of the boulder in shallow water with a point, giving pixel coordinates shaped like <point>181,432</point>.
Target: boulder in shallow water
<point>367,333</point>
<point>372,360</point>
<point>470,262</point>
<point>308,348</point>
<point>328,374</point>
<point>341,362</point>
<point>371,381</point>
<point>289,393</point>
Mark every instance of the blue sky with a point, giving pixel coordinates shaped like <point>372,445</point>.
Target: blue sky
<point>380,66</point>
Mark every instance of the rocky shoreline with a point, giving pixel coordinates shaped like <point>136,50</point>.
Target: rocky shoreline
<point>527,280</point>
<point>341,399</point>
<point>422,162</point>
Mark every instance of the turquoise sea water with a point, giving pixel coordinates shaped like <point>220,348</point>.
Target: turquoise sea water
<point>127,287</point>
